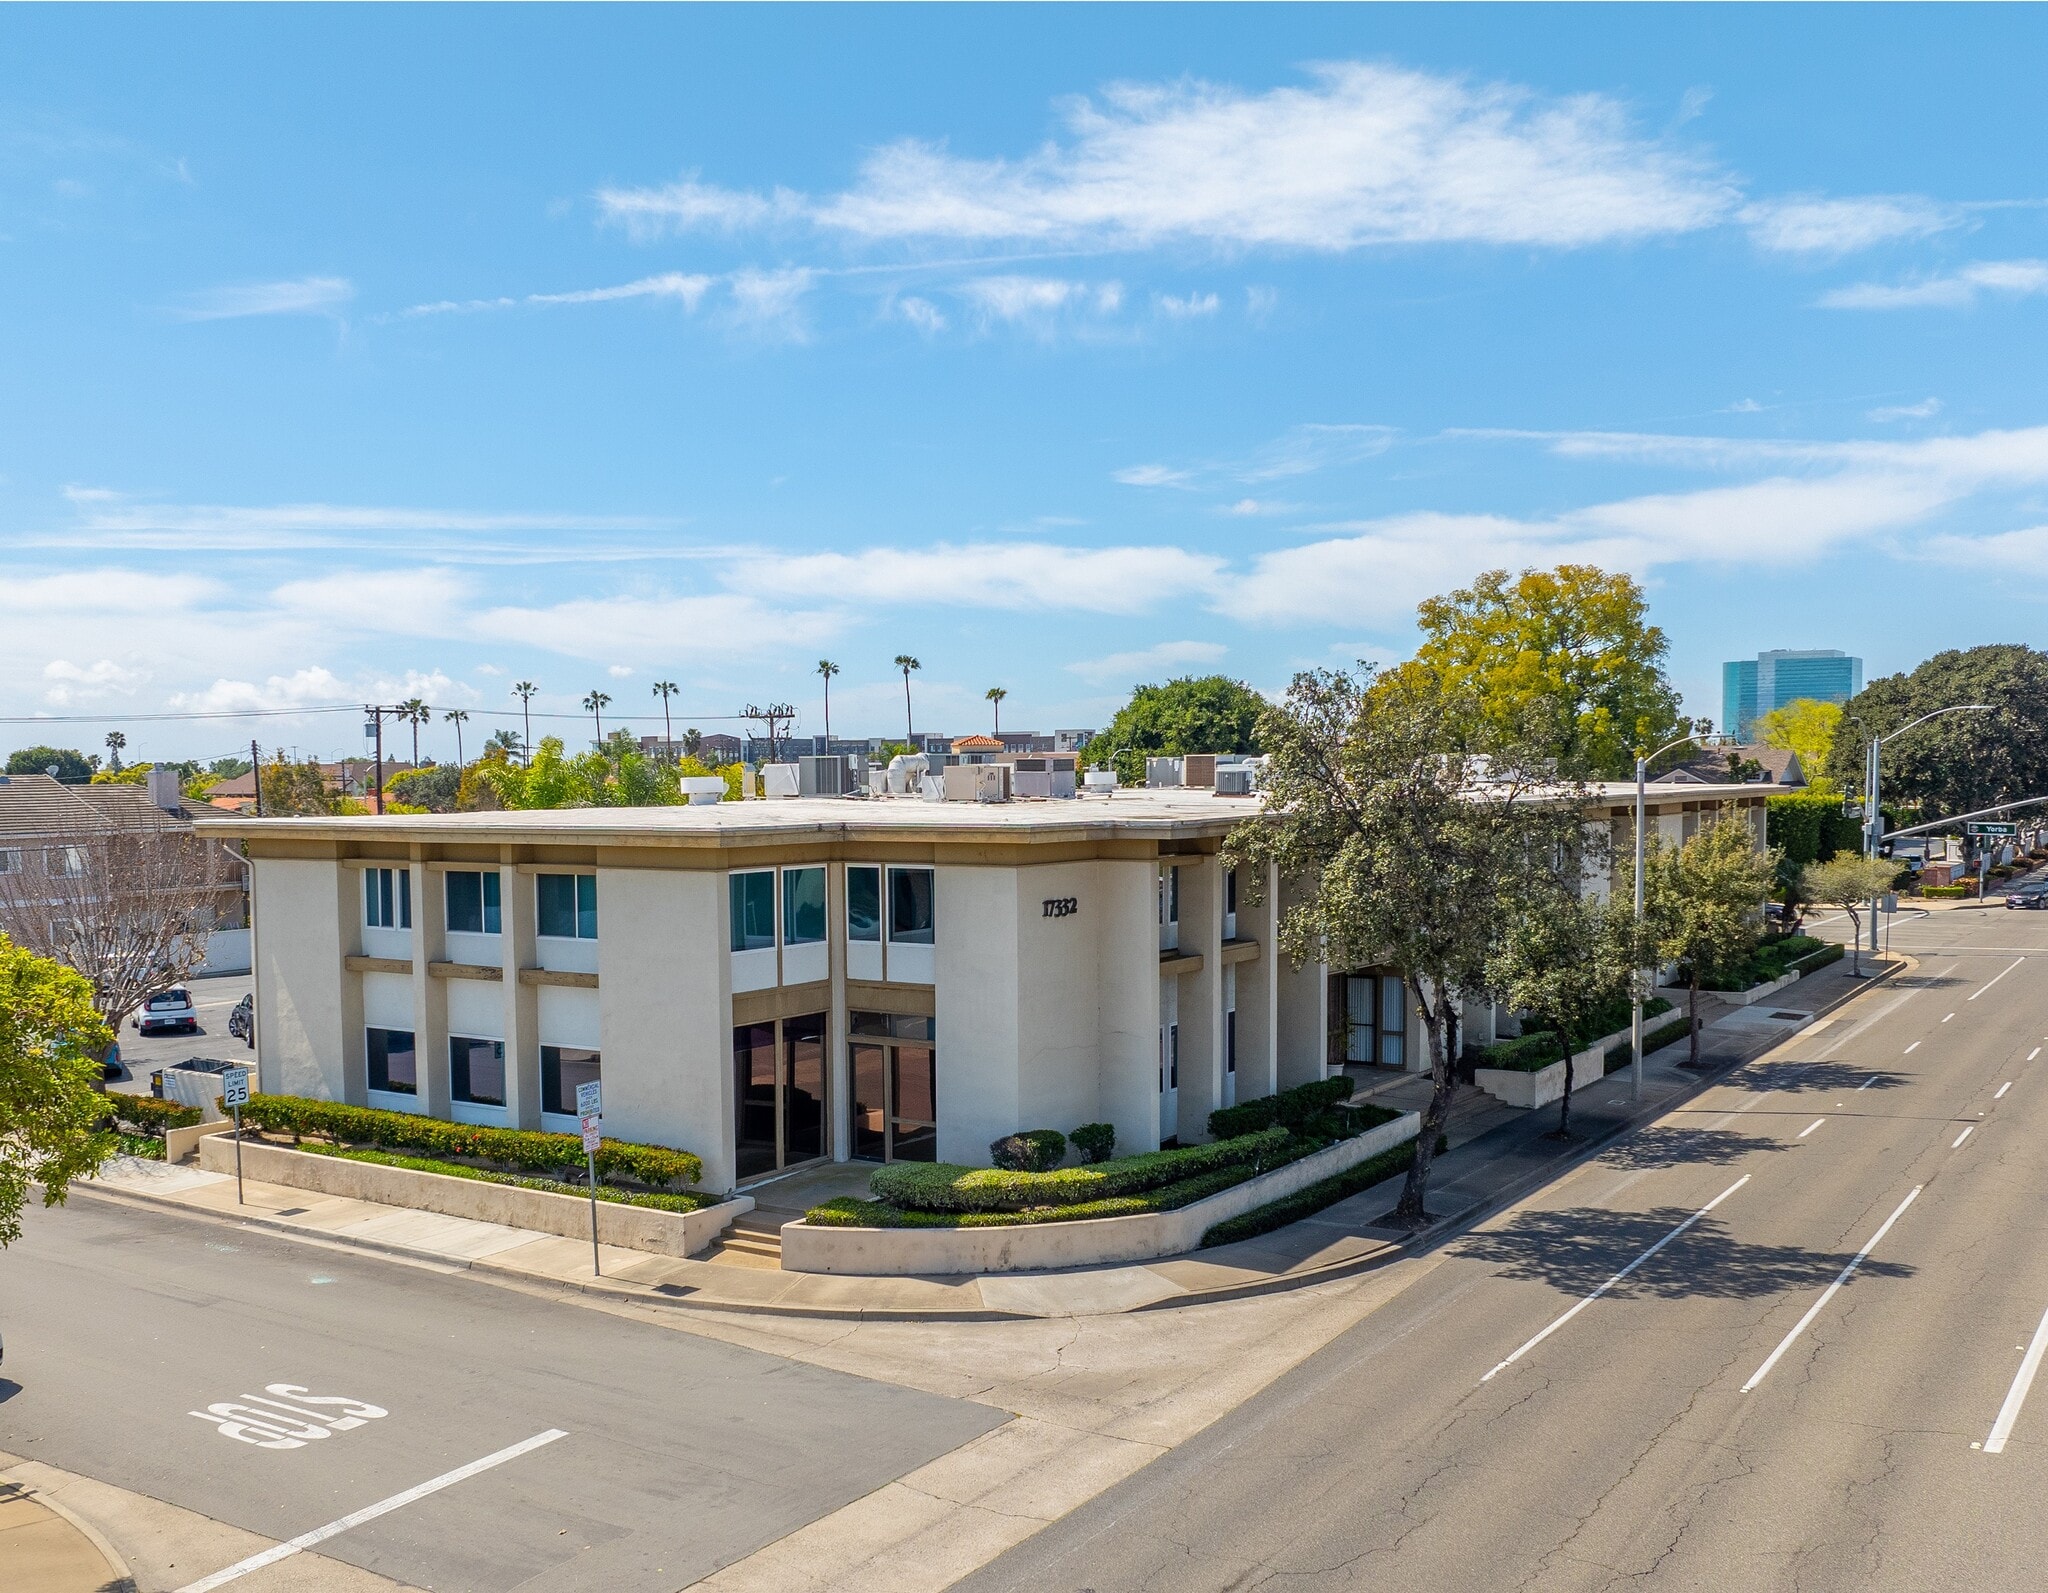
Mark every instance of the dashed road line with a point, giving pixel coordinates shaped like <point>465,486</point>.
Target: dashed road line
<point>2002,1089</point>
<point>2016,1396</point>
<point>1831,1290</point>
<point>1810,1127</point>
<point>1912,1048</point>
<point>1966,1133</point>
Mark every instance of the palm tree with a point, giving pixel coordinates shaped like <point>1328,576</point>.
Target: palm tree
<point>906,663</point>
<point>828,669</point>
<point>996,694</point>
<point>693,738</point>
<point>115,742</point>
<point>503,739</point>
<point>415,712</point>
<point>665,689</point>
<point>595,705</point>
<point>524,692</point>
<point>457,717</point>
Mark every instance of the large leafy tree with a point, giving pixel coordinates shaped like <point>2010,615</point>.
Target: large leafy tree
<point>1400,851</point>
<point>1561,958</point>
<point>1959,762</point>
<point>1566,655</point>
<point>51,1040</point>
<point>1205,713</point>
<point>72,767</point>
<point>1707,897</point>
<point>1806,727</point>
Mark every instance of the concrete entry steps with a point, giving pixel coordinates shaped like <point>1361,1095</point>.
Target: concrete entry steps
<point>1497,1153</point>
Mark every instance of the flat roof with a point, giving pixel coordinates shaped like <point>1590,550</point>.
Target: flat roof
<point>1144,813</point>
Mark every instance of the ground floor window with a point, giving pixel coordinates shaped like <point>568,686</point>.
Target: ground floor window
<point>893,1107</point>
<point>394,1065</point>
<point>1369,1019</point>
<point>476,1070</point>
<point>778,1094</point>
<point>562,1068</point>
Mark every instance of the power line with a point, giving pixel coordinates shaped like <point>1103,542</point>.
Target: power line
<point>508,716</point>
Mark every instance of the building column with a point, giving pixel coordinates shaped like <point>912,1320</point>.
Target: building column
<point>1129,1001</point>
<point>522,1002</point>
<point>430,995</point>
<point>838,1059</point>
<point>1258,991</point>
<point>1201,997</point>
<point>1302,1023</point>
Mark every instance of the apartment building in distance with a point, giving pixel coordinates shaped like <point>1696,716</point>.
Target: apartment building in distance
<point>776,982</point>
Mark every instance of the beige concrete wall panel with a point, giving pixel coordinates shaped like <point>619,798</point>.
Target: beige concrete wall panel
<point>976,1001</point>
<point>911,1001</point>
<point>1303,1026</point>
<point>1059,1071</point>
<point>1127,1000</point>
<point>308,999</point>
<point>1201,996</point>
<point>784,1001</point>
<point>520,997</point>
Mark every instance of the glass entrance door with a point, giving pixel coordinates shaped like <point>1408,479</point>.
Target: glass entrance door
<point>778,1094</point>
<point>893,1111</point>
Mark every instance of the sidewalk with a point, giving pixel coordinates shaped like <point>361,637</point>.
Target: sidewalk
<point>45,1549</point>
<point>1496,1153</point>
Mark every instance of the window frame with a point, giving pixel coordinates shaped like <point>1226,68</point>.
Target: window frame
<point>553,1065</point>
<point>503,1080</point>
<point>490,914</point>
<point>790,906</point>
<point>369,1062</point>
<point>928,936</point>
<point>578,909</point>
<point>739,912</point>
<point>382,896</point>
<point>871,872</point>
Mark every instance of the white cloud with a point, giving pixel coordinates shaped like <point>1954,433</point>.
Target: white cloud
<point>1958,290</point>
<point>104,591</point>
<point>316,686</point>
<point>1152,476</point>
<point>301,296</point>
<point>1149,661</point>
<point>2023,552</point>
<point>1300,452</point>
<point>1188,306</point>
<point>1006,575</point>
<point>619,671</point>
<point>1362,154</point>
<point>657,630</point>
<point>1745,406</point>
<point>1812,224</point>
<point>926,316</point>
<point>71,683</point>
<point>770,303</point>
<point>1926,408</point>
<point>401,602</point>
<point>680,286</point>
<point>1258,508</point>
<point>111,519</point>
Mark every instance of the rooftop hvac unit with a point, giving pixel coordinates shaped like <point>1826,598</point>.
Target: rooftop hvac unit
<point>1162,772</point>
<point>821,776</point>
<point>1235,781</point>
<point>1198,768</point>
<point>977,782</point>
<point>1103,780</point>
<point>778,779</point>
<point>1055,784</point>
<point>702,788</point>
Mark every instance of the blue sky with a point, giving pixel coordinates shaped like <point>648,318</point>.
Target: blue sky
<point>370,352</point>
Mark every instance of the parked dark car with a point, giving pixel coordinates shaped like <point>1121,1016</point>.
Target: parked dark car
<point>242,1021</point>
<point>2032,894</point>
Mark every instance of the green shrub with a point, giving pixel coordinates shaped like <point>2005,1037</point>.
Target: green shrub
<point>1290,1108</point>
<point>1524,1055</point>
<point>149,1117</point>
<point>1307,1202</point>
<point>1095,1141</point>
<point>851,1212</point>
<point>551,1186</point>
<point>656,1166</point>
<point>1947,892</point>
<point>1832,952</point>
<point>945,1187</point>
<point>140,1145</point>
<point>1036,1150</point>
<point>1619,1056</point>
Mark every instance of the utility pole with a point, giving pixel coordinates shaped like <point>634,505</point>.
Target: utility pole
<point>256,776</point>
<point>376,728</point>
<point>775,713</point>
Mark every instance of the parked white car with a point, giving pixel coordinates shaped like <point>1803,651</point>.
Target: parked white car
<point>169,1012</point>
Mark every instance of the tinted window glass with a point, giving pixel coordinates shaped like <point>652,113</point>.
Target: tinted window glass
<point>910,906</point>
<point>863,904</point>
<point>562,1068</point>
<point>476,1070</point>
<point>753,1058</point>
<point>465,902</point>
<point>393,1065</point>
<point>753,910</point>
<point>555,905</point>
<point>803,906</point>
<point>586,906</point>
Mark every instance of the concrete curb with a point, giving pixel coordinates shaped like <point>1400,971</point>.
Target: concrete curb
<point>123,1577</point>
<point>1422,1242</point>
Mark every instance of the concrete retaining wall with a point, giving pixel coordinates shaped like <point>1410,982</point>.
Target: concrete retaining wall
<point>1039,1247</point>
<point>665,1233</point>
<point>180,1142</point>
<point>1519,1087</point>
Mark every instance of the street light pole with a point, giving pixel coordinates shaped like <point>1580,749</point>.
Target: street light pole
<point>1873,821</point>
<point>1635,976</point>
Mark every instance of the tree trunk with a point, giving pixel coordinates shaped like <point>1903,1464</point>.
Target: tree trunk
<point>1692,1027</point>
<point>1855,944</point>
<point>1564,1101</point>
<point>1414,1194</point>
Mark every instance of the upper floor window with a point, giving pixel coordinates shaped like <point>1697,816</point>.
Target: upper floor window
<point>387,898</point>
<point>10,860</point>
<point>1230,890</point>
<point>473,907</point>
<point>63,862</point>
<point>910,906</point>
<point>803,906</point>
<point>753,909</point>
<point>863,902</point>
<point>566,906</point>
<point>1169,895</point>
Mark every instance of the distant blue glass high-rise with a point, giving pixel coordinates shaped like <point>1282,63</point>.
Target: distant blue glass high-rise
<point>1753,687</point>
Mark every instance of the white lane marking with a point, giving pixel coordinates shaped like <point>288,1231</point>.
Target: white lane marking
<point>1868,1082</point>
<point>2016,1396</point>
<point>1912,1048</point>
<point>1829,1292</point>
<point>2033,1053</point>
<point>306,1540</point>
<point>1951,1015</point>
<point>2002,1089</point>
<point>1966,1133</point>
<point>1974,994</point>
<point>1529,1345</point>
<point>1810,1127</point>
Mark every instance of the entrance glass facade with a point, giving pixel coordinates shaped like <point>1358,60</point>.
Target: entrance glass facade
<point>778,1094</point>
<point>893,1110</point>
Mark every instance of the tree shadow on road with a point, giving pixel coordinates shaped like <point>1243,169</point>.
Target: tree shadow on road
<point>1577,1250</point>
<point>1677,1146</point>
<point>1817,1077</point>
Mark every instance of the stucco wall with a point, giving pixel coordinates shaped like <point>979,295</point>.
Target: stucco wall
<point>1127,1001</point>
<point>1059,1051</point>
<point>305,908</point>
<point>662,1012</point>
<point>976,1006</point>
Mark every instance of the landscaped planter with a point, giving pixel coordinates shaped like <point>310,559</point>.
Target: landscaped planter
<point>1046,1246</point>
<point>664,1233</point>
<point>1755,993</point>
<point>1522,1087</point>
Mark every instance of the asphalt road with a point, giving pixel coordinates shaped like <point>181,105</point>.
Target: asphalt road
<point>680,1454</point>
<point>214,998</point>
<point>1716,1419</point>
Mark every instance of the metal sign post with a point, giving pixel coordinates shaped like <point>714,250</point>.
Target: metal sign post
<point>588,1110</point>
<point>234,1091</point>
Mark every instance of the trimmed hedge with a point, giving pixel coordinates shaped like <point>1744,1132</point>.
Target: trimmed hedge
<point>1834,952</point>
<point>851,1212</point>
<point>1307,1202</point>
<point>149,1116</point>
<point>948,1187</point>
<point>1619,1056</point>
<point>656,1166</point>
<point>1095,1141</point>
<point>1036,1150</point>
<point>551,1186</point>
<point>1533,1052</point>
<point>1293,1108</point>
<point>1948,892</point>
